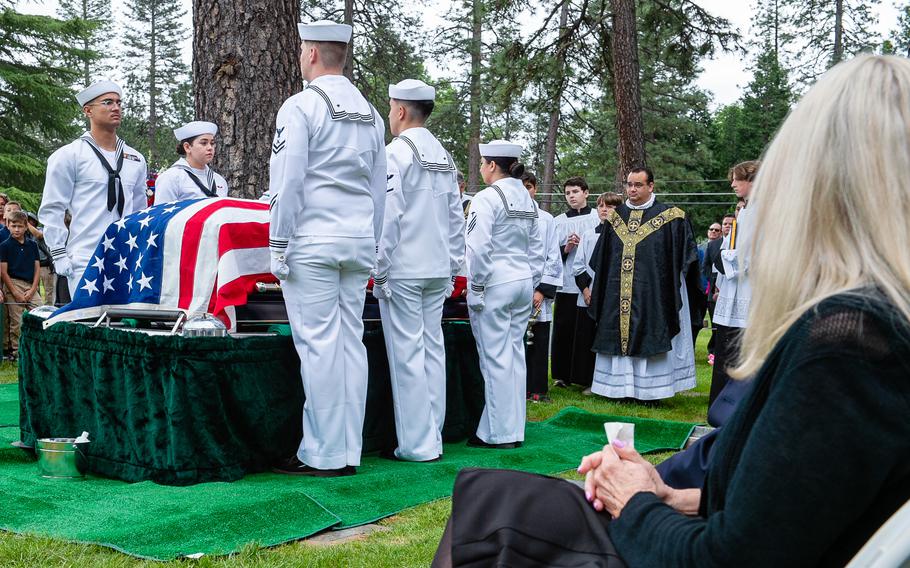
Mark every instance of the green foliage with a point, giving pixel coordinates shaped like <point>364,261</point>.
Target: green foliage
<point>37,106</point>
<point>96,40</point>
<point>29,200</point>
<point>158,86</point>
<point>813,25</point>
<point>899,42</point>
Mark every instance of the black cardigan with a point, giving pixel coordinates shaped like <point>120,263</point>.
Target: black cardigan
<point>815,459</point>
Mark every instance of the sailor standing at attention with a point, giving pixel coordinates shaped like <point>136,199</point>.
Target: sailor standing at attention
<point>505,257</point>
<point>421,251</point>
<point>190,177</point>
<point>97,178</point>
<point>328,186</point>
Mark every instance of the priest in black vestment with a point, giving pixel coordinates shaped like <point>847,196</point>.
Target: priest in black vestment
<point>646,294</point>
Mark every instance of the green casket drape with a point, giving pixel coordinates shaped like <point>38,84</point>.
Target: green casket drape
<point>180,410</point>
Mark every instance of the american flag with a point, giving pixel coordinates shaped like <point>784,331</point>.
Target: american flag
<point>201,255</point>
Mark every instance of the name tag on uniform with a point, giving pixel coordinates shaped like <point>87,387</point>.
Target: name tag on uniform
<point>132,157</point>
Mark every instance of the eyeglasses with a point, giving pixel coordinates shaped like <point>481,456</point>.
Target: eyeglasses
<point>108,103</point>
<point>714,229</point>
<point>636,184</point>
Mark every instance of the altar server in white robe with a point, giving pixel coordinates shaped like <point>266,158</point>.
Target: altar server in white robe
<point>190,177</point>
<point>328,187</point>
<point>420,252</point>
<point>505,257</point>
<point>537,343</point>
<point>98,178</point>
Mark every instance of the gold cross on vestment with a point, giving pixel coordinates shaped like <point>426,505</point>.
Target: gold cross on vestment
<point>631,234</point>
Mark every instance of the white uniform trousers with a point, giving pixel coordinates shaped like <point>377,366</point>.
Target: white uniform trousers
<point>80,263</point>
<point>324,295</point>
<point>499,330</point>
<point>412,326</point>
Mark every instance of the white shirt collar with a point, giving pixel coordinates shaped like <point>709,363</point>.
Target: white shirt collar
<point>645,205</point>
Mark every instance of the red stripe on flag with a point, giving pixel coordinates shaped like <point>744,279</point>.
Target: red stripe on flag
<point>189,250</point>
<point>233,236</point>
<point>235,293</point>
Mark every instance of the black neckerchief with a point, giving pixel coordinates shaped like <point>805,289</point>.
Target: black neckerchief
<point>209,178</point>
<point>115,195</point>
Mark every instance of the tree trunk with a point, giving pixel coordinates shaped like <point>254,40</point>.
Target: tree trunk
<point>86,45</point>
<point>549,160</point>
<point>626,89</point>
<point>473,173</point>
<point>245,64</point>
<point>349,60</point>
<point>153,84</point>
<point>838,32</point>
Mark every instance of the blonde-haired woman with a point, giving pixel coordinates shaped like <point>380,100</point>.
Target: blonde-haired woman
<point>817,456</point>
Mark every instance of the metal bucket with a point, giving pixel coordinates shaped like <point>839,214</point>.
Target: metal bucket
<point>61,458</point>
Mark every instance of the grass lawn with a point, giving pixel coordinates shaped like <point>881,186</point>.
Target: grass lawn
<point>410,537</point>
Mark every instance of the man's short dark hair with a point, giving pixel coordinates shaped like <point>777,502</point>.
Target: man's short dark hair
<point>727,216</point>
<point>332,53</point>
<point>529,177</point>
<point>646,169</point>
<point>420,110</point>
<point>577,181</point>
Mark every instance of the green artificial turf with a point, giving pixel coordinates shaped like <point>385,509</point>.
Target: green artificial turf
<point>162,522</point>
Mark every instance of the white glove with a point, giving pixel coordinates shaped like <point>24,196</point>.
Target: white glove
<point>475,301</point>
<point>64,266</point>
<point>450,287</point>
<point>381,289</point>
<point>278,265</point>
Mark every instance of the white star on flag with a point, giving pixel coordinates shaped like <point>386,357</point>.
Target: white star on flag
<point>121,263</point>
<point>132,242</point>
<point>170,209</point>
<point>108,243</point>
<point>129,283</point>
<point>151,241</point>
<point>144,281</point>
<point>90,286</point>
<point>145,222</point>
<point>139,261</point>
<point>99,264</point>
<point>121,224</point>
<point>107,284</point>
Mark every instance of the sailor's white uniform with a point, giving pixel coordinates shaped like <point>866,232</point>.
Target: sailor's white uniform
<point>180,182</point>
<point>505,257</point>
<point>78,182</point>
<point>421,250</point>
<point>328,186</point>
<point>552,262</point>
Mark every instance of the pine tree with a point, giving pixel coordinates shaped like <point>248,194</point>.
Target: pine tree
<point>899,42</point>
<point>154,69</point>
<point>37,108</point>
<point>827,32</point>
<point>96,42</point>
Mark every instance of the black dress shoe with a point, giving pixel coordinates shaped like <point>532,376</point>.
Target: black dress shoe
<point>294,466</point>
<point>390,455</point>
<point>476,442</point>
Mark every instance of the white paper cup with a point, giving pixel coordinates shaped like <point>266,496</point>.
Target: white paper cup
<point>622,431</point>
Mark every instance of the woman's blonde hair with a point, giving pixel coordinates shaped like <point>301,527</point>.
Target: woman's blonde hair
<point>831,201</point>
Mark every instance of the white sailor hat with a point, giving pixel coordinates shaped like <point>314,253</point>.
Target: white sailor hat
<point>97,89</point>
<point>195,128</point>
<point>412,90</point>
<point>324,30</point>
<point>501,149</point>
